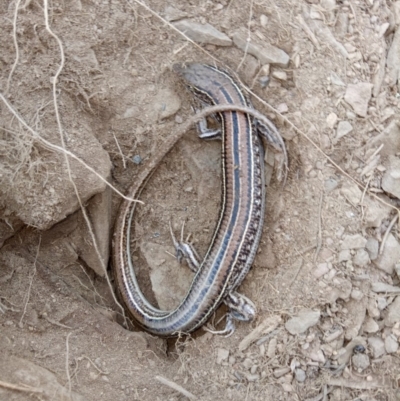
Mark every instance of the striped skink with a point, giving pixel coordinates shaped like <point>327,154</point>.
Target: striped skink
<point>239,227</point>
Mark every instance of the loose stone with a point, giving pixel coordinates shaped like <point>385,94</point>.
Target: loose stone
<point>302,322</point>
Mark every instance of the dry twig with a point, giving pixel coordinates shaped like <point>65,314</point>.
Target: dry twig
<point>14,66</point>
<point>28,294</point>
<point>67,363</point>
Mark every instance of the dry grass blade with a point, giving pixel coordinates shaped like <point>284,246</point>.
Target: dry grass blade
<point>22,387</point>
<point>60,130</point>
<point>176,387</point>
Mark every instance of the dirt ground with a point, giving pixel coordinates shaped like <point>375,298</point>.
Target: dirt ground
<point>325,329</point>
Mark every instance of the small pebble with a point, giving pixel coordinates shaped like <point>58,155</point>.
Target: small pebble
<point>282,108</point>
<point>330,184</point>
<point>325,141</point>
<point>349,47</point>
<point>344,128</point>
<point>326,254</point>
<point>373,310</point>
<point>391,178</point>
<point>335,79</point>
<point>247,363</point>
<point>344,255</point>
<point>222,355</point>
<point>391,344</point>
<point>370,325</point>
<point>356,294</point>
<point>296,60</point>
<point>137,159</point>
<point>382,29</point>
<point>390,255</point>
<point>372,247</point>
<point>381,303</point>
<point>396,330</point>
<point>356,241</point>
<point>300,375</point>
<point>303,321</point>
<point>264,81</point>
<point>317,356</point>
<point>263,20</point>
<point>279,372</point>
<point>281,75</point>
<point>250,377</point>
<point>271,351</point>
<point>322,269</point>
<point>361,258</point>
<point>331,120</point>
<point>333,336</point>
<point>330,275</point>
<point>265,70</point>
<point>358,95</point>
<point>253,369</point>
<point>360,361</point>
<point>377,346</point>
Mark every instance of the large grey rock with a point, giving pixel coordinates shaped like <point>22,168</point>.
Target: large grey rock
<point>43,382</point>
<point>377,346</point>
<point>391,178</point>
<point>355,317</point>
<point>393,313</point>
<point>390,255</point>
<point>357,96</point>
<point>372,248</point>
<point>303,321</point>
<point>342,289</point>
<point>169,280</point>
<point>352,193</point>
<point>361,258</point>
<point>343,128</point>
<point>203,33</point>
<point>393,58</point>
<point>99,211</point>
<point>356,241</point>
<point>390,138</point>
<point>383,287</point>
<point>45,196</point>
<point>375,212</point>
<point>391,344</point>
<point>360,361</point>
<point>266,53</point>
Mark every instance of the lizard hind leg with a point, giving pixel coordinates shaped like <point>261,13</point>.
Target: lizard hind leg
<point>240,307</point>
<point>184,250</point>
